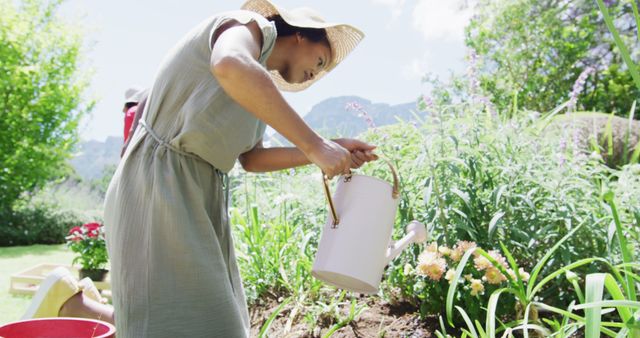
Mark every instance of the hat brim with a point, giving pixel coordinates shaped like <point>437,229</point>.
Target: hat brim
<point>342,38</point>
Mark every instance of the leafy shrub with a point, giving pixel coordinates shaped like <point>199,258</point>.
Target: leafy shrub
<point>538,60</point>
<point>36,223</point>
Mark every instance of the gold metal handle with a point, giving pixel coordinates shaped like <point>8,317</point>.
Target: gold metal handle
<point>395,191</point>
<point>327,192</point>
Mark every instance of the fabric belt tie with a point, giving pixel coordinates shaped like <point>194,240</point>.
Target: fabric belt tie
<point>224,178</point>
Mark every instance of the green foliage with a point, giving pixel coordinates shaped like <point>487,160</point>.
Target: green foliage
<point>528,305</point>
<point>276,235</point>
<point>610,20</point>
<point>36,223</point>
<point>41,96</point>
<point>469,175</point>
<point>539,59</point>
<point>483,180</point>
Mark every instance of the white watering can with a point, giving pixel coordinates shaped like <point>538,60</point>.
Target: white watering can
<point>356,241</point>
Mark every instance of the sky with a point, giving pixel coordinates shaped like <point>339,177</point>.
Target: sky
<point>405,40</point>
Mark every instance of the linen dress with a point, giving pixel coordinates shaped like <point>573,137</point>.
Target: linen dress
<point>173,266</point>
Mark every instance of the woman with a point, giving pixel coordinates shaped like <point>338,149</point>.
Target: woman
<point>173,266</point>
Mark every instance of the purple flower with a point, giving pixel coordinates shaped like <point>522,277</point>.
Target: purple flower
<point>474,84</point>
<point>355,106</point>
<point>361,113</point>
<point>609,3</point>
<point>578,86</point>
<point>561,152</point>
<point>426,101</point>
<point>472,71</point>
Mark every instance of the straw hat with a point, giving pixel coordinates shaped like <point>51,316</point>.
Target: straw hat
<point>343,38</point>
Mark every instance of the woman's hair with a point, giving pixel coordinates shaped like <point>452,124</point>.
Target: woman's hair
<point>285,29</point>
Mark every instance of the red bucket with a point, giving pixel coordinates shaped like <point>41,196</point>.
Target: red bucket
<point>58,328</point>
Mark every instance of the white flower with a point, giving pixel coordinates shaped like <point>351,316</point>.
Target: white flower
<point>493,276</point>
<point>430,264</point>
<point>476,287</point>
<point>449,275</point>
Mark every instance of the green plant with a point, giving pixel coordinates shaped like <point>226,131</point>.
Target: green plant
<point>624,299</point>
<point>618,39</point>
<point>471,176</point>
<point>355,309</point>
<point>265,327</point>
<point>42,90</point>
<point>535,62</point>
<point>435,271</point>
<point>88,242</point>
<point>35,222</point>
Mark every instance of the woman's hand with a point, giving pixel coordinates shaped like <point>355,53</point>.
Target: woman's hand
<point>361,152</point>
<point>332,158</point>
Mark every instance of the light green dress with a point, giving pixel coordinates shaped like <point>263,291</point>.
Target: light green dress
<point>174,271</point>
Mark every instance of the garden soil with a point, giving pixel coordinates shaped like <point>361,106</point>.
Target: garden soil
<point>378,320</point>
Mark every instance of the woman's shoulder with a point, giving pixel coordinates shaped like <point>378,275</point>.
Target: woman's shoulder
<point>268,28</point>
<point>243,17</point>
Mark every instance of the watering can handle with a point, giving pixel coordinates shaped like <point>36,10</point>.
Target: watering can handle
<point>395,192</point>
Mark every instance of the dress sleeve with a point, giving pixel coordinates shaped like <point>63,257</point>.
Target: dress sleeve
<point>268,29</point>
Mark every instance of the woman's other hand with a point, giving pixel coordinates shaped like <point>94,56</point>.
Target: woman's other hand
<point>332,158</point>
<point>361,152</point>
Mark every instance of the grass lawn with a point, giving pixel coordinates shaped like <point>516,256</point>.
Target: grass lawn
<point>16,259</point>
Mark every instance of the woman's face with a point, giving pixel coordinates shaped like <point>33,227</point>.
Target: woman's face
<point>306,59</point>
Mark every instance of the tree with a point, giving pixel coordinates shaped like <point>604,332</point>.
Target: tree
<point>41,99</point>
<point>537,49</point>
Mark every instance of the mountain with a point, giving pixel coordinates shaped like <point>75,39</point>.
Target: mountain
<point>330,117</point>
<point>94,156</point>
<point>343,116</point>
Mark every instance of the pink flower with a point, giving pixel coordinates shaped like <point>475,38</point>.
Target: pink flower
<point>461,248</point>
<point>481,263</point>
<point>495,254</point>
<point>432,247</point>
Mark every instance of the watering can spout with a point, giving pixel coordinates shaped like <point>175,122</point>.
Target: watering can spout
<point>415,233</point>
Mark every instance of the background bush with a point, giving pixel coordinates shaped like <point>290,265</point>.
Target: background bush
<point>37,223</point>
<point>538,60</point>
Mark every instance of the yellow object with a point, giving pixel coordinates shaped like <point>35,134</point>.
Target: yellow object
<point>54,291</point>
<point>90,290</point>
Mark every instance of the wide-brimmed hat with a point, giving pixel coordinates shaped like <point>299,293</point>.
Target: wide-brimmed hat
<point>342,38</point>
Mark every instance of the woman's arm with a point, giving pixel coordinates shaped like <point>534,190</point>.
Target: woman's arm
<point>233,63</point>
<point>260,159</point>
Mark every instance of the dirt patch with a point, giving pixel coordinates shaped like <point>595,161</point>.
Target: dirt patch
<point>378,320</point>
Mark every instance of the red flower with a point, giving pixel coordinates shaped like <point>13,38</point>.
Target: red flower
<point>75,234</point>
<point>92,226</point>
<point>93,229</point>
